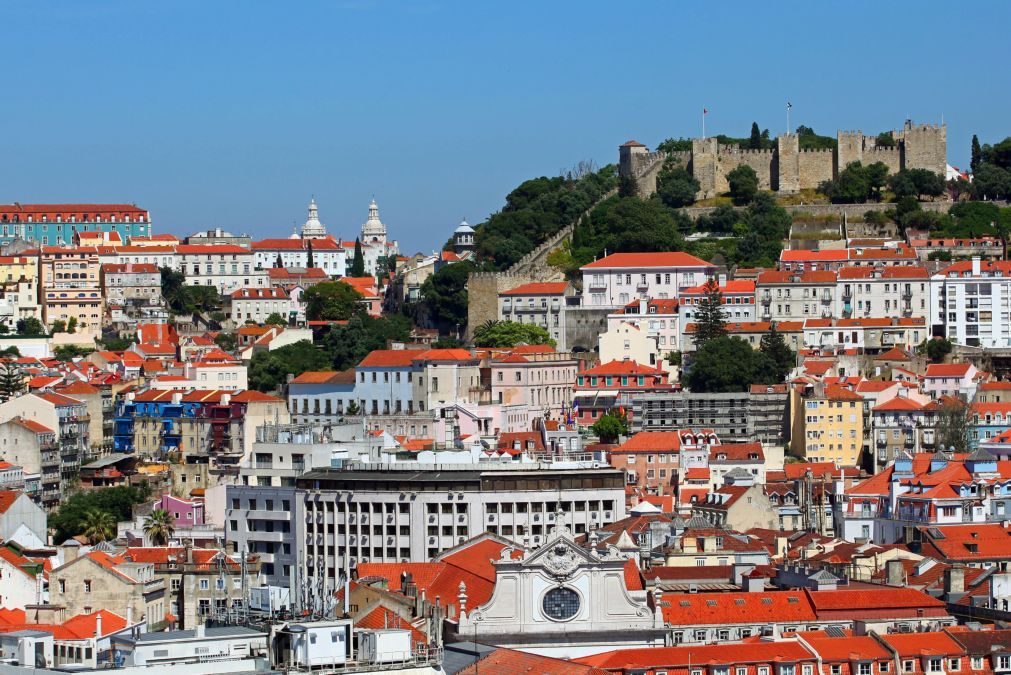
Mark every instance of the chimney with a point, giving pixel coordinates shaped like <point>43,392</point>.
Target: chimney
<point>70,551</point>
<point>129,615</point>
<point>954,583</point>
<point>98,624</point>
<point>975,266</point>
<point>199,631</point>
<point>894,573</point>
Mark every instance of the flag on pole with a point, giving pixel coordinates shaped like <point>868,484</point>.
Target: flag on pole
<point>705,111</point>
<point>788,105</point>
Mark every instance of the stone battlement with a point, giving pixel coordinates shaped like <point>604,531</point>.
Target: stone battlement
<point>787,168</point>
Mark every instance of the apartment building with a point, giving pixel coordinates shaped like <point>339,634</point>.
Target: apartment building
<point>738,300</point>
<point>326,254</point>
<point>893,291</point>
<point>617,279</point>
<point>257,304</point>
<point>225,267</point>
<point>54,224</point>
<point>762,413</point>
<point>541,304</point>
<point>872,335</point>
<point>71,287</point>
<point>970,303</point>
<point>828,424</point>
<point>795,295</point>
<point>129,283</point>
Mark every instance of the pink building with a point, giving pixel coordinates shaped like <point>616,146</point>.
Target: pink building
<point>184,513</point>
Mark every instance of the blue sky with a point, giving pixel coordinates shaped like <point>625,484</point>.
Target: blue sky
<point>233,113</point>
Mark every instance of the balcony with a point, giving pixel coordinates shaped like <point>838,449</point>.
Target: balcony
<point>907,293</point>
<point>847,294</point>
<point>826,298</point>
<point>767,298</point>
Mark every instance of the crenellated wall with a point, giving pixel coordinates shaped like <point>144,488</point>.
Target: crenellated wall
<point>787,168</point>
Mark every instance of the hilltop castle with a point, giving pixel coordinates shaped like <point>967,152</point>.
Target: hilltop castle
<point>787,168</point>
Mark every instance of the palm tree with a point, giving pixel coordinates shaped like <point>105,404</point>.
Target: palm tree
<point>159,527</point>
<point>98,525</point>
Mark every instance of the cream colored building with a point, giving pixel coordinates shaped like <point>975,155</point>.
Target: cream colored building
<point>71,287</point>
<point>19,300</point>
<point>627,342</point>
<point>883,292</point>
<point>828,424</point>
<point>15,267</point>
<point>540,381</point>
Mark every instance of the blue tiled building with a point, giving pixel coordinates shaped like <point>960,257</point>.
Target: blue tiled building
<point>54,224</point>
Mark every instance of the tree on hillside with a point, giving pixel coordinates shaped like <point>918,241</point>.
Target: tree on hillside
<point>991,182</point>
<point>877,178</point>
<point>59,326</point>
<point>676,187</point>
<point>743,184</point>
<point>349,344</point>
<point>444,295</point>
<point>885,140</point>
<point>30,326</point>
<point>331,301</point>
<point>510,334</point>
<point>98,525</point>
<point>755,141</point>
<point>610,426</point>
<point>953,426</point>
<point>12,383</point>
<point>976,157</point>
<point>710,317</point>
<point>628,224</point>
<point>275,319</point>
<point>159,527</point>
<point>774,346</point>
<point>675,145</point>
<point>69,519</point>
<point>226,341</point>
<point>728,364</point>
<point>278,262</point>
<point>358,262</point>
<point>269,370</point>
<point>308,257</point>
<point>936,349</point>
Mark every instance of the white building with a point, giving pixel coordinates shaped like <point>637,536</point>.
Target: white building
<point>793,295</point>
<point>259,303</point>
<point>970,303</point>
<point>882,291</point>
<point>541,304</point>
<point>226,267</point>
<point>617,279</point>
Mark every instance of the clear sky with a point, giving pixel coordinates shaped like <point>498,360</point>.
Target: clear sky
<point>233,113</point>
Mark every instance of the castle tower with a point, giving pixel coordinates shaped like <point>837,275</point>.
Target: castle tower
<point>373,231</point>
<point>313,229</point>
<point>705,166</point>
<point>925,146</point>
<point>850,149</point>
<point>463,238</point>
<point>787,163</point>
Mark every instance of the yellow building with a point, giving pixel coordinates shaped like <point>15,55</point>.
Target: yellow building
<point>828,424</point>
<point>13,267</point>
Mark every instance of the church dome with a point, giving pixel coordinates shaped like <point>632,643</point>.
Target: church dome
<point>313,227</point>
<point>464,228</point>
<point>373,229</point>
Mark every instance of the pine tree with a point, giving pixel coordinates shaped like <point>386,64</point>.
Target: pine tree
<point>710,319</point>
<point>12,384</point>
<point>309,260</point>
<point>756,137</point>
<point>358,262</point>
<point>279,263</point>
<point>977,154</point>
<point>775,347</point>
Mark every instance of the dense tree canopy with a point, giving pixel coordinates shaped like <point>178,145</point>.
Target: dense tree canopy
<point>743,183</point>
<point>539,208</point>
<point>510,334</point>
<point>347,345</point>
<point>728,364</point>
<point>184,299</point>
<point>270,369</point>
<point>629,224</point>
<point>610,426</point>
<point>444,296</point>
<point>118,502</point>
<point>676,187</point>
<point>331,301</point>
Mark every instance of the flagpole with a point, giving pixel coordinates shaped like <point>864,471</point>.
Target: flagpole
<point>788,106</point>
<point>703,123</point>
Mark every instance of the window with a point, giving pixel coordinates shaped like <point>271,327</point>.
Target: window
<point>934,666</point>
<point>977,663</point>
<point>836,669</point>
<point>87,585</point>
<point>204,584</point>
<point>908,666</point>
<point>863,669</point>
<point>1004,662</point>
<point>63,585</point>
<point>954,664</point>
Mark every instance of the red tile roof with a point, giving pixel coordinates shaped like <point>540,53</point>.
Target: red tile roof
<point>644,260</point>
<point>686,609</point>
<point>504,661</point>
<point>544,288</point>
<point>656,658</point>
<point>947,370</point>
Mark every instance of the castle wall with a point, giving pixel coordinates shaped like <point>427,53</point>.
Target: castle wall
<point>730,157</point>
<point>482,295</point>
<point>890,157</point>
<point>787,168</point>
<point>815,167</point>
